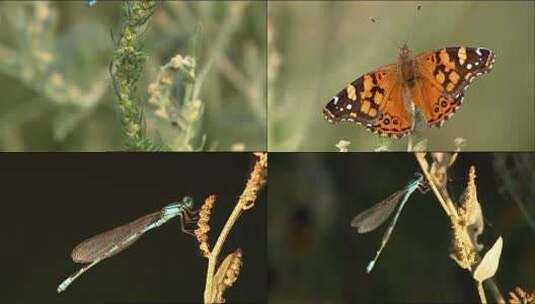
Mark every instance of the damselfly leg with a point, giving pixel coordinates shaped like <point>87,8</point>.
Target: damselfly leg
<point>189,217</point>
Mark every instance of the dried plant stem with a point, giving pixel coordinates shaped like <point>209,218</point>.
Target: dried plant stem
<point>451,211</point>
<point>245,202</point>
<point>481,293</point>
<point>445,201</point>
<point>214,254</point>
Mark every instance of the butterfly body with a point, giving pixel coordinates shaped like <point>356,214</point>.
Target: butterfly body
<point>433,82</point>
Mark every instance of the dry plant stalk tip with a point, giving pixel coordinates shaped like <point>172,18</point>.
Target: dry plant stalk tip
<point>519,296</point>
<point>203,226</point>
<point>255,182</point>
<point>469,215</point>
<point>343,145</point>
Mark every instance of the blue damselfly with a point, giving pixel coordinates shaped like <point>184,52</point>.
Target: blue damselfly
<point>373,217</point>
<point>111,242</point>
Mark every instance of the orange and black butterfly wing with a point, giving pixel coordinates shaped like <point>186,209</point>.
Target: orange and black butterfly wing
<point>365,100</point>
<point>443,77</point>
<point>394,120</point>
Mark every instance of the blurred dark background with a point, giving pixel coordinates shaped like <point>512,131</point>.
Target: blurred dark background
<point>316,257</point>
<point>52,202</point>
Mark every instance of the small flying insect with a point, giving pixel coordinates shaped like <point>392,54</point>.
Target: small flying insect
<point>370,219</point>
<point>111,242</point>
<point>90,2</point>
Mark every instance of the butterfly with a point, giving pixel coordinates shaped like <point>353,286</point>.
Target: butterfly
<point>434,82</point>
<point>90,2</point>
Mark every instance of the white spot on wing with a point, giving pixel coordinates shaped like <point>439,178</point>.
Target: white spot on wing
<point>349,106</point>
<point>335,99</point>
<point>469,66</point>
<point>478,51</point>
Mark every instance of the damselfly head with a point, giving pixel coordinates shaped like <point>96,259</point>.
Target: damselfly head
<point>187,201</point>
<point>183,204</point>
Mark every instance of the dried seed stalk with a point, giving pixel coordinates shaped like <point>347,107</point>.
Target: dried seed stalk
<point>227,274</point>
<point>203,225</point>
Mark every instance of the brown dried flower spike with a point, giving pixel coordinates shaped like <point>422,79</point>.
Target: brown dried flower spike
<point>255,182</point>
<point>203,225</point>
<point>467,226</point>
<point>227,274</point>
<point>519,296</point>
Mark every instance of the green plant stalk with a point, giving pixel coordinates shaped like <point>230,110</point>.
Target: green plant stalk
<point>126,67</point>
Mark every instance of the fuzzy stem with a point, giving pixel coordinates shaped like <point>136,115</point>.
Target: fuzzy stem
<point>126,68</point>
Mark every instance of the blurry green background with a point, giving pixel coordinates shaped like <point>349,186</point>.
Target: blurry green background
<point>56,90</point>
<point>317,48</point>
<point>314,256</point>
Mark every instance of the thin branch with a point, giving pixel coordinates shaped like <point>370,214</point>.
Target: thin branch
<point>481,293</point>
<point>229,26</point>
